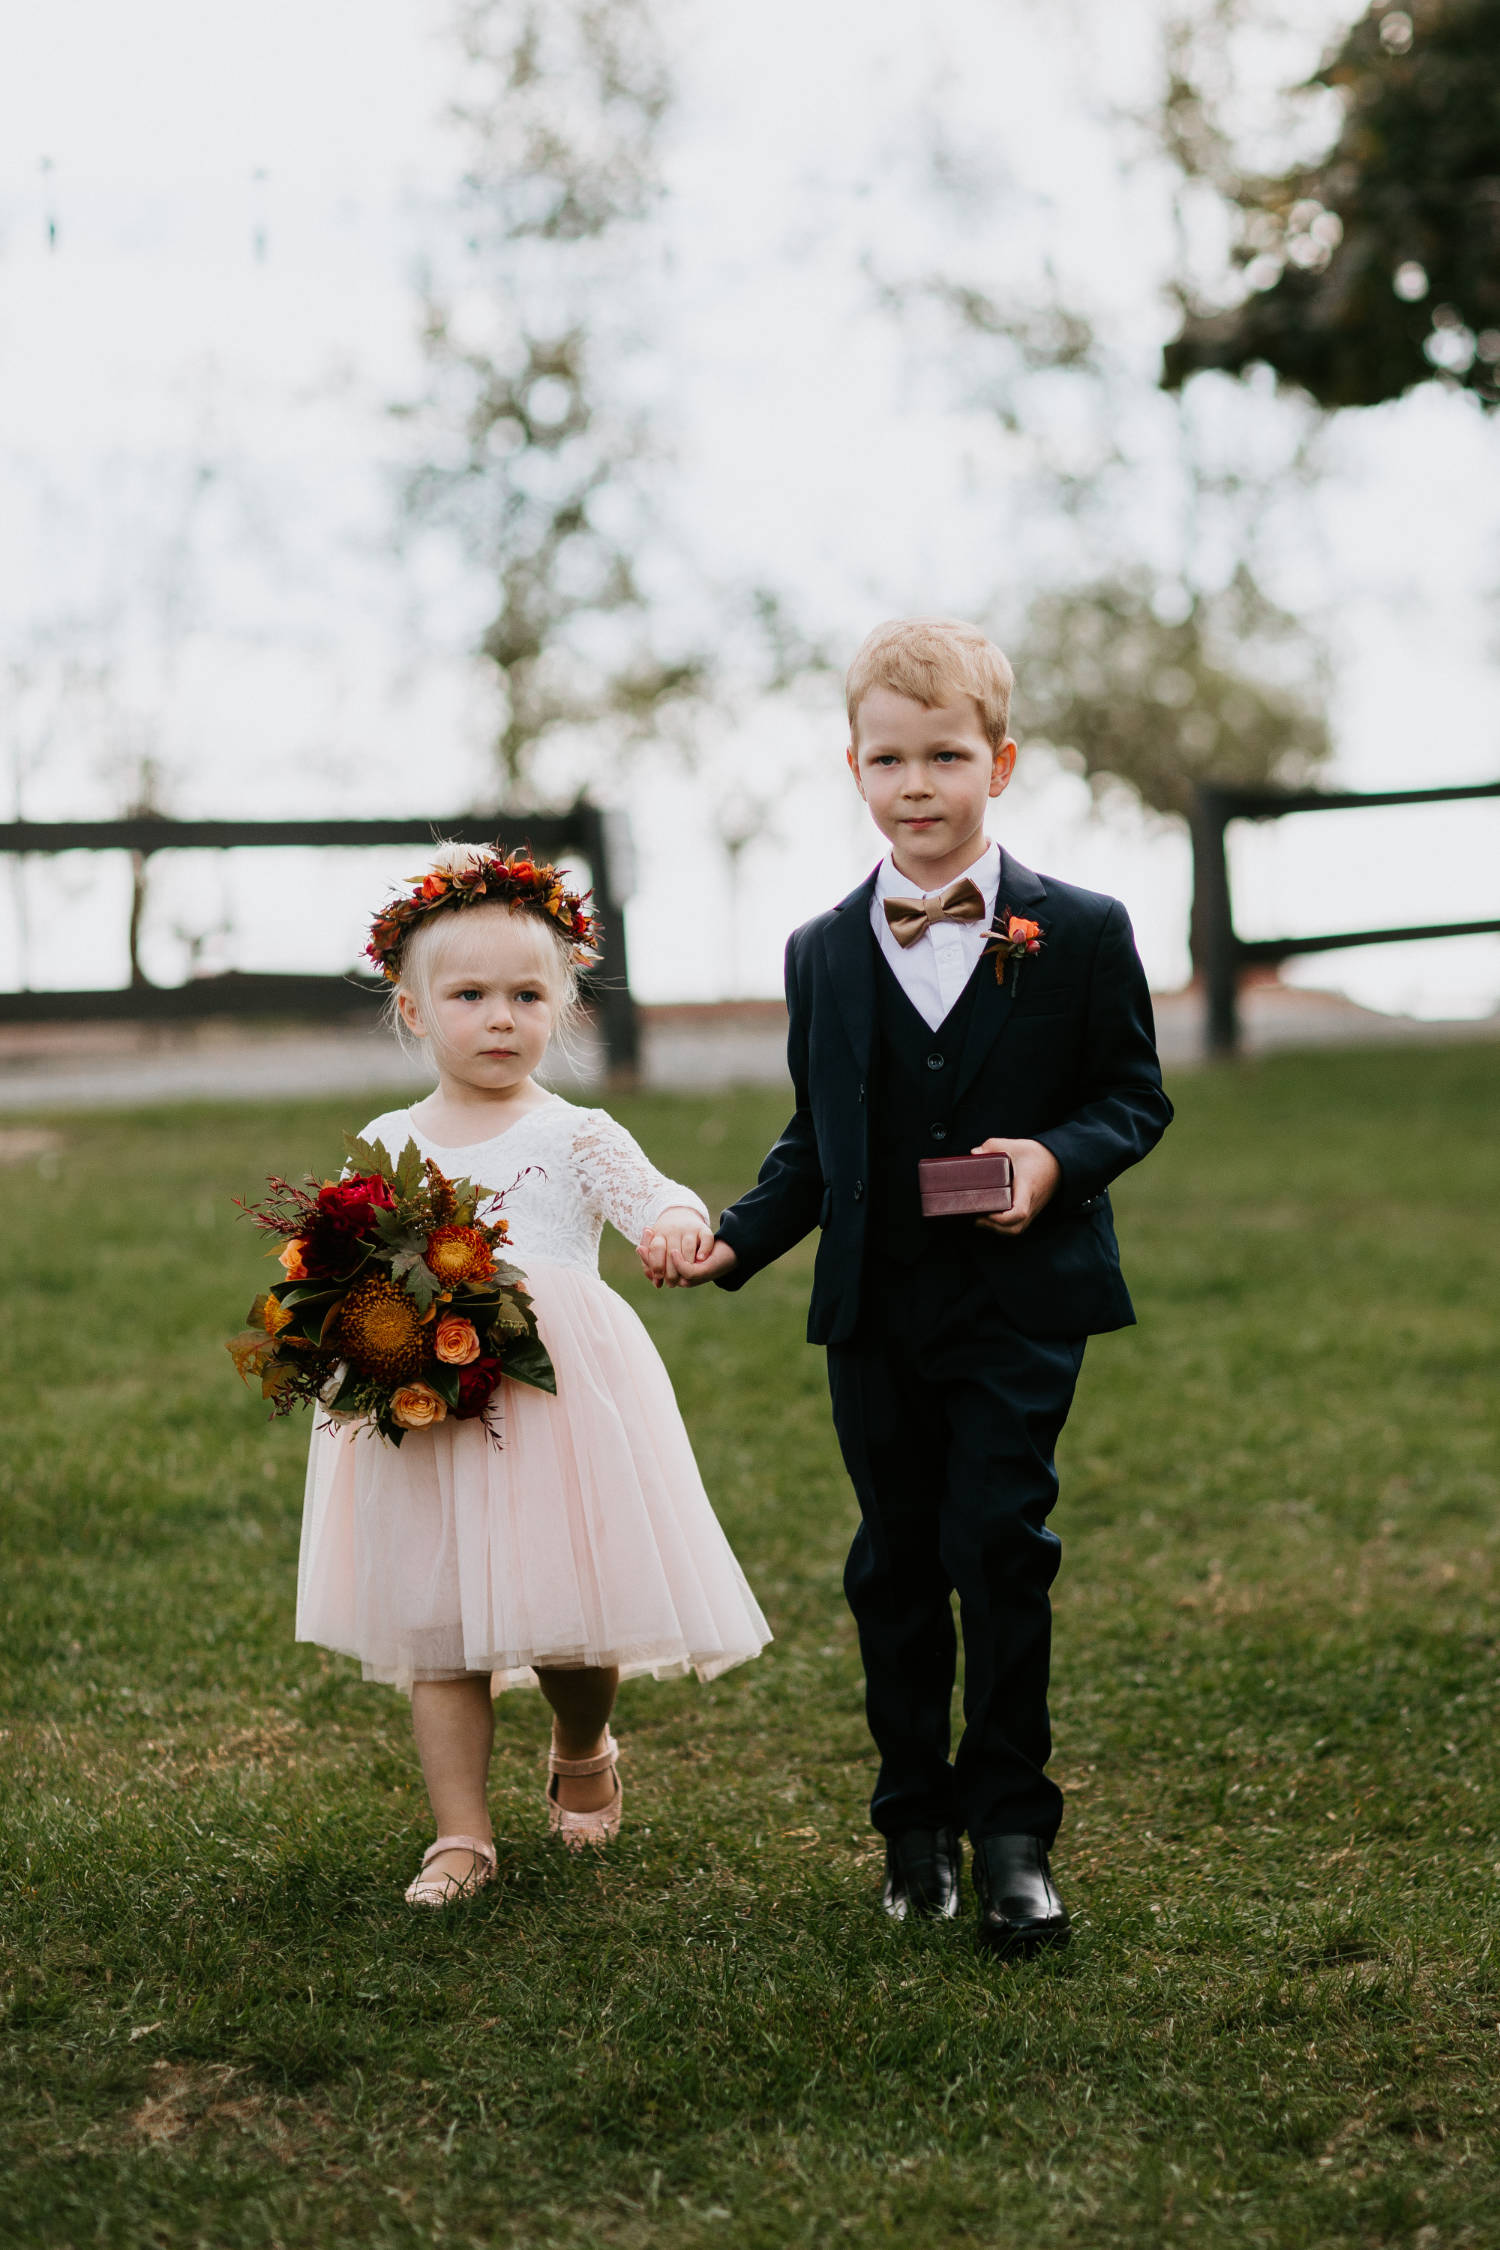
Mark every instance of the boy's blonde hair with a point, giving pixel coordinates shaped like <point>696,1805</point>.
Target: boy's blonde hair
<point>932,660</point>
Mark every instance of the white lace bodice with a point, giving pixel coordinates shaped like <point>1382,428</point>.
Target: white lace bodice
<point>581,1167</point>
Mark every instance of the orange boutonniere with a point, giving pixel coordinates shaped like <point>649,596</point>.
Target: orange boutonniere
<point>1018,939</point>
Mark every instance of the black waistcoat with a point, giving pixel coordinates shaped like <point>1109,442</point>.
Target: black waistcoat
<point>914,1114</point>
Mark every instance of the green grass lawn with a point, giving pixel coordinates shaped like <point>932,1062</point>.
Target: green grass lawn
<point>1276,1720</point>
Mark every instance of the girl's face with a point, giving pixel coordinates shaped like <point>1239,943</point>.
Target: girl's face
<point>491,999</point>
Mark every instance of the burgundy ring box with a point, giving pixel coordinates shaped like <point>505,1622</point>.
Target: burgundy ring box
<point>953,1185</point>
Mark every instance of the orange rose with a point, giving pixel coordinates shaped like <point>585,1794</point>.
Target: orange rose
<point>1023,930</point>
<point>291,1259</point>
<point>456,1341</point>
<point>416,1406</point>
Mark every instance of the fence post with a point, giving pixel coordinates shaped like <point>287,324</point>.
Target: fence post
<point>1214,946</point>
<point>617,1011</point>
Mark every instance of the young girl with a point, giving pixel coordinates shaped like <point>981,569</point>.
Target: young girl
<point>581,1548</point>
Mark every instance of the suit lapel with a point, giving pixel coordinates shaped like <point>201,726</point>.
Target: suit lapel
<point>1019,892</point>
<point>848,945</point>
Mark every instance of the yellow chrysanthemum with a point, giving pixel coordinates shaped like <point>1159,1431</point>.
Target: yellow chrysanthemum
<point>459,1254</point>
<point>380,1330</point>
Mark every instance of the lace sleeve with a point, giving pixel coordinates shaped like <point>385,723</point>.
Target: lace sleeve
<point>620,1182</point>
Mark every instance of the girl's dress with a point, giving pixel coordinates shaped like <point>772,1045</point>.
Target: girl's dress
<point>585,1537</point>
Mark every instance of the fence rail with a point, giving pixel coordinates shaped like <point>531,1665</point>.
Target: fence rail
<point>583,828</point>
<point>1220,953</point>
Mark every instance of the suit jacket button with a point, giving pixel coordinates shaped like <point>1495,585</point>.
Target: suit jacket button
<point>940,1132</point>
<point>859,1191</point>
<point>936,1062</point>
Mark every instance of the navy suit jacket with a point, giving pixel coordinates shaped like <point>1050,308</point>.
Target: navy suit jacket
<point>1064,1054</point>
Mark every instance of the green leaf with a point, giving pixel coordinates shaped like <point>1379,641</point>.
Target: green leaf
<point>408,1174</point>
<point>307,1293</point>
<point>348,1383</point>
<point>368,1156</point>
<point>417,1279</point>
<point>311,1310</point>
<point>443,1380</point>
<point>527,1360</point>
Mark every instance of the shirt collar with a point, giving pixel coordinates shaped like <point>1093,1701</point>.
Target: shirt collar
<point>891,883</point>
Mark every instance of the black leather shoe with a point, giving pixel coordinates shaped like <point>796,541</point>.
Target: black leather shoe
<point>1019,1909</point>
<point>922,1874</point>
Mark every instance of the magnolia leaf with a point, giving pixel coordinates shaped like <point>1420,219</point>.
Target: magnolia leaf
<point>529,1361</point>
<point>443,1380</point>
<point>511,1319</point>
<point>336,1391</point>
<point>511,1275</point>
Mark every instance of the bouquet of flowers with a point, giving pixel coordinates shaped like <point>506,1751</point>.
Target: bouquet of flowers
<point>396,1307</point>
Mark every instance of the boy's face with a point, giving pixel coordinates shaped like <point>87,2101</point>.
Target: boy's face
<point>927,777</point>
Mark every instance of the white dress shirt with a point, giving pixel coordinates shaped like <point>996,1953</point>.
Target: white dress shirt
<point>933,972</point>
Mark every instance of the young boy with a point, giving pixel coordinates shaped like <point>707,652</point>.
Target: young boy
<point>954,1344</point>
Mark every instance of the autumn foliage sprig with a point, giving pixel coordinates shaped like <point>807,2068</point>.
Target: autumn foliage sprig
<point>396,1307</point>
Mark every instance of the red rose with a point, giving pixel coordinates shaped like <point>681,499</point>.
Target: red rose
<point>342,1218</point>
<point>348,1203</point>
<point>476,1383</point>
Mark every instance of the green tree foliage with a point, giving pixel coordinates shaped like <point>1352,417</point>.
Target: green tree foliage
<point>1377,267</point>
<point>543,463</point>
<point>1222,690</point>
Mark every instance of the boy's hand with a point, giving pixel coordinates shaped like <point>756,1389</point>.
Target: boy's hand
<point>1035,1173</point>
<point>677,1247</point>
<point>709,1259</point>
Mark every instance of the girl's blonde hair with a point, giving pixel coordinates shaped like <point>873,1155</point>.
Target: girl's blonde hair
<point>433,938</point>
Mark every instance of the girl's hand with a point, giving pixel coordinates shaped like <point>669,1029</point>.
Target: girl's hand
<point>676,1241</point>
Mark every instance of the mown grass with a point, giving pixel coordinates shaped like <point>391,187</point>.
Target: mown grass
<point>1275,1701</point>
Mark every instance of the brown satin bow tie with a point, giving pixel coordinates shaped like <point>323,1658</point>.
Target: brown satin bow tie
<point>910,918</point>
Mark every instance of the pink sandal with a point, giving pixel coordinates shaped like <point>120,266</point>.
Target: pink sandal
<point>579,1830</point>
<point>442,1890</point>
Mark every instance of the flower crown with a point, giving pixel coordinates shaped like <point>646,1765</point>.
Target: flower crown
<point>469,877</point>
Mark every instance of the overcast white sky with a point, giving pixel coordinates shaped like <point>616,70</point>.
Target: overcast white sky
<point>198,472</point>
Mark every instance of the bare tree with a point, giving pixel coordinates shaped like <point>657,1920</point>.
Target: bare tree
<point>545,459</point>
<point>1158,661</point>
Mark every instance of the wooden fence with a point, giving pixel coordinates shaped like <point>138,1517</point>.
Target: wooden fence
<point>583,829</point>
<point>1220,954</point>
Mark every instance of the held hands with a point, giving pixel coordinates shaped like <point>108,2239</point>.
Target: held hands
<point>679,1251</point>
<point>1035,1173</point>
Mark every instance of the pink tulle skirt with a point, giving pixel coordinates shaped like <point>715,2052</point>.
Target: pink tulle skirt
<point>584,1537</point>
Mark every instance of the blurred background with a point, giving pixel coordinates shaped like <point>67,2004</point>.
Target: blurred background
<point>428,411</point>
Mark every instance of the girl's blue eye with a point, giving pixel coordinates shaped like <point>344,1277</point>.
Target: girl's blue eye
<point>469,992</point>
<point>528,995</point>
